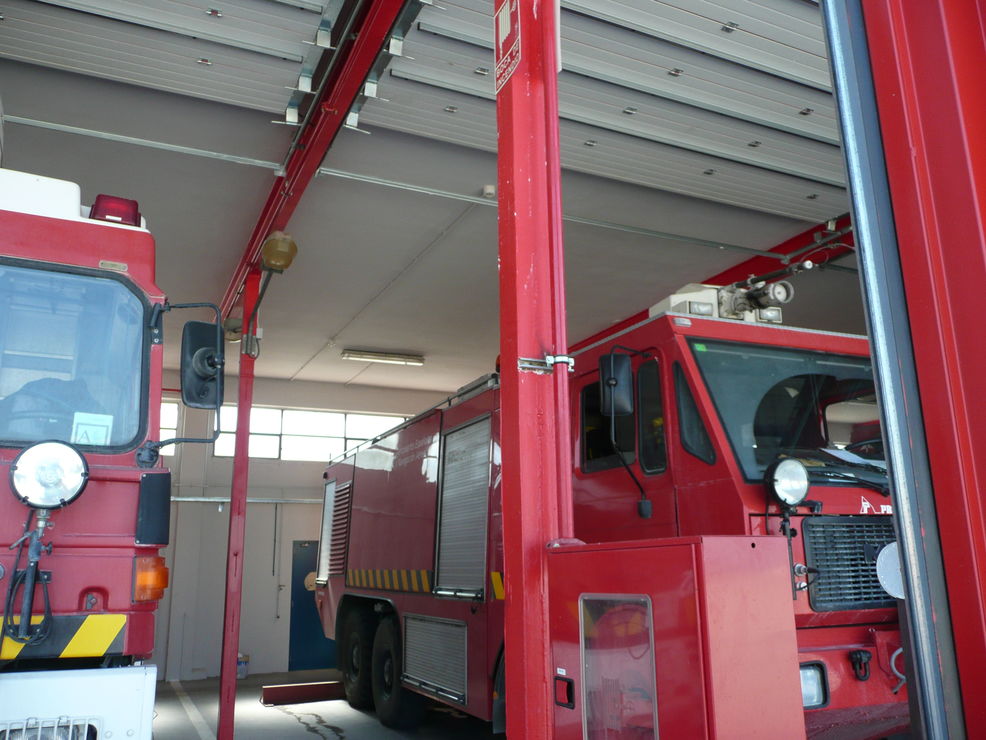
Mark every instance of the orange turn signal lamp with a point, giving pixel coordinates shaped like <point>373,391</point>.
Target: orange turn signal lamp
<point>150,578</point>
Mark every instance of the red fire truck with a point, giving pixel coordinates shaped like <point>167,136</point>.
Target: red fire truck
<point>86,507</point>
<point>731,471</point>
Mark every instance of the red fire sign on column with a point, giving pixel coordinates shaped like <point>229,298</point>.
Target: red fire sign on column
<point>506,49</point>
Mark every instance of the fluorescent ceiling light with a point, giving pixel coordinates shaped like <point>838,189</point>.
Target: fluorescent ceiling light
<point>389,358</point>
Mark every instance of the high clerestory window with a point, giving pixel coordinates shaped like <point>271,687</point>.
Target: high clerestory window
<point>297,434</point>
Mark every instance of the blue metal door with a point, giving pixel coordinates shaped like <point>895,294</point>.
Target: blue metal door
<point>308,648</point>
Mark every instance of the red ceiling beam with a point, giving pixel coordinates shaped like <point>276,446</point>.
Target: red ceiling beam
<point>358,52</point>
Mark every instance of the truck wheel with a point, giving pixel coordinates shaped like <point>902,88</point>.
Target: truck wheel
<point>355,659</point>
<point>396,706</point>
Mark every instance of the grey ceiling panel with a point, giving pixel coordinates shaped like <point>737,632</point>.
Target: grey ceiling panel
<point>693,132</point>
<point>139,112</point>
<point>782,37</point>
<point>315,6</point>
<point>423,110</point>
<point>454,65</point>
<point>80,42</point>
<point>629,59</point>
<point>255,25</point>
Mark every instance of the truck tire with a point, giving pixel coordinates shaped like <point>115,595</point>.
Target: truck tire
<point>355,659</point>
<point>397,707</point>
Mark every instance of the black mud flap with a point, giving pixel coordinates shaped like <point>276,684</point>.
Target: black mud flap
<point>499,700</point>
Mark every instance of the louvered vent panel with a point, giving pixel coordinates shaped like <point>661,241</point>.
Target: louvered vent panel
<point>843,549</point>
<point>435,656</point>
<point>340,530</point>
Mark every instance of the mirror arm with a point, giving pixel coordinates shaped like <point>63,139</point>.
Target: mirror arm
<point>644,506</point>
<point>148,453</point>
<point>158,310</point>
<point>629,351</point>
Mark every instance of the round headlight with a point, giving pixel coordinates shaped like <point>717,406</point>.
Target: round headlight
<point>787,479</point>
<point>48,475</point>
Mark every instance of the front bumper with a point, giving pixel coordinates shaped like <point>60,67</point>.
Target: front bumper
<point>115,702</point>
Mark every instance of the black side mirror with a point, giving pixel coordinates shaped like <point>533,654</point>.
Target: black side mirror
<point>615,385</point>
<point>202,365</point>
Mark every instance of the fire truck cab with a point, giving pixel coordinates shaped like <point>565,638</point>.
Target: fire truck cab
<point>703,425</point>
<point>86,507</point>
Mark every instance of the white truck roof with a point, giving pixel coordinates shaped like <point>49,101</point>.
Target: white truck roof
<point>45,196</point>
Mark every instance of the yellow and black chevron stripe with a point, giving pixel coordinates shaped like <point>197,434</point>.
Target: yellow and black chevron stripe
<point>71,636</point>
<point>496,585</point>
<point>391,579</point>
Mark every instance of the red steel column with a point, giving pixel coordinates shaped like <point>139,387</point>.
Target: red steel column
<point>534,405</point>
<point>928,60</point>
<point>237,524</point>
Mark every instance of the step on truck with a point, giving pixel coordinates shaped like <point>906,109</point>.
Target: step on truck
<point>86,506</point>
<point>729,480</point>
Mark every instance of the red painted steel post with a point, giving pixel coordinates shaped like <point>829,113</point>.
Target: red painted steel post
<point>537,506</point>
<point>928,60</point>
<point>237,525</point>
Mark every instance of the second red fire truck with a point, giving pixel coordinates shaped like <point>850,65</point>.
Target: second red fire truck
<point>730,471</point>
<point>84,503</point>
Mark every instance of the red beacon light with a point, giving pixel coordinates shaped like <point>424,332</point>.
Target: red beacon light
<point>115,210</point>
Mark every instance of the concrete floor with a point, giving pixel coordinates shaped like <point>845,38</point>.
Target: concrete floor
<point>189,711</point>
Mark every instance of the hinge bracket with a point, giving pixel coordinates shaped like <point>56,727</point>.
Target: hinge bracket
<point>545,366</point>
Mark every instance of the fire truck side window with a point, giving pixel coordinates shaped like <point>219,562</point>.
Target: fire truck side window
<point>653,448</point>
<point>597,450</point>
<point>694,436</point>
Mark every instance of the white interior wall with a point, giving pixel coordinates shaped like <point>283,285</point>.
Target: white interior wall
<point>189,620</point>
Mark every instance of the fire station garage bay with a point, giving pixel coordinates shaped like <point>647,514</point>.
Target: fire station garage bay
<point>489,366</point>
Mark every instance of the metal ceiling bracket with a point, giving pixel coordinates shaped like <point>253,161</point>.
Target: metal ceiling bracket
<point>545,366</point>
<point>352,123</point>
<point>323,37</point>
<point>371,89</point>
<point>396,46</point>
<point>304,83</point>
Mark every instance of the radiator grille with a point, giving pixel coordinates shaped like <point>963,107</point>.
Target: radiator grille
<point>62,728</point>
<point>843,549</point>
<point>340,530</point>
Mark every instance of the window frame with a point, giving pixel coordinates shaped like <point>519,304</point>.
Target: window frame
<point>611,460</point>
<point>684,394</point>
<point>168,432</point>
<point>348,443</point>
<point>663,466</point>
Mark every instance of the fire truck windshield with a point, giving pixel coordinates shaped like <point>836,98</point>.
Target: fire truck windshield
<point>780,401</point>
<point>71,358</point>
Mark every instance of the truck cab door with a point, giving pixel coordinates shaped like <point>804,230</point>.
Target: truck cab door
<point>606,497</point>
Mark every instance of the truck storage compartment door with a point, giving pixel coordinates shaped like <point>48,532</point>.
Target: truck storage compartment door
<point>435,656</point>
<point>463,512</point>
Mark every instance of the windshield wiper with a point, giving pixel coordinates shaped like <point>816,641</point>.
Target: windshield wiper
<point>835,475</point>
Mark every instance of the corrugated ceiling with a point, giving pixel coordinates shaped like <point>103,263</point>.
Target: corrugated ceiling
<point>702,120</point>
<point>726,100</point>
